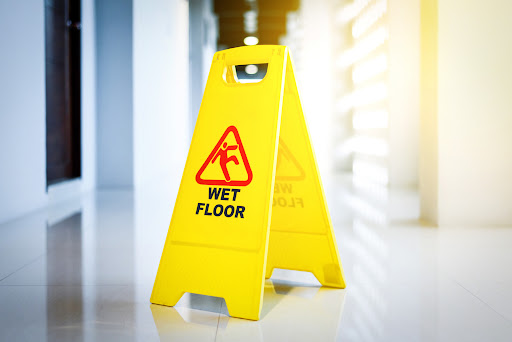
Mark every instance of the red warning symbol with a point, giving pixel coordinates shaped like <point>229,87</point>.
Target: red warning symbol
<point>227,164</point>
<point>288,168</point>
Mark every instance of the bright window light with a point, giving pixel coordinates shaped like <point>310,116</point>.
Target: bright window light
<point>370,171</point>
<point>370,146</point>
<point>364,47</point>
<point>251,40</point>
<point>351,10</point>
<point>370,119</point>
<point>363,97</point>
<point>370,69</point>
<point>368,18</point>
<point>251,69</point>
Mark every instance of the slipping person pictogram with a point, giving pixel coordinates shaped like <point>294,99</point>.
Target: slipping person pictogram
<point>224,159</point>
<point>228,149</point>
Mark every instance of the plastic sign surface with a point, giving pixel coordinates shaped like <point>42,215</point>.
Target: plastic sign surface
<point>250,198</point>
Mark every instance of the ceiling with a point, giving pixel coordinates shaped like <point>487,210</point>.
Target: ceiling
<point>264,19</point>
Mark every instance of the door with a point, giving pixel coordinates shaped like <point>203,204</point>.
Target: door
<point>62,39</point>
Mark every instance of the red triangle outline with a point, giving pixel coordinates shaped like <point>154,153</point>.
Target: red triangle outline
<point>212,154</point>
<point>302,174</point>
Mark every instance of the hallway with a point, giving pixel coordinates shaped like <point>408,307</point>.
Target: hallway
<point>407,108</point>
<point>84,270</point>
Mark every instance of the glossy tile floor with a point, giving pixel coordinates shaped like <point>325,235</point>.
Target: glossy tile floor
<point>84,270</point>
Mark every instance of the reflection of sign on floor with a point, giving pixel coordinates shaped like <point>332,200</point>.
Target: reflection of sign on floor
<point>287,167</point>
<point>289,313</point>
<point>227,164</point>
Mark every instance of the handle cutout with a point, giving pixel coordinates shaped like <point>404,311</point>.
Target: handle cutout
<point>245,73</point>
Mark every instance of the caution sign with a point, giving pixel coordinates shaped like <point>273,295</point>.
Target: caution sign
<point>250,199</point>
<point>228,150</point>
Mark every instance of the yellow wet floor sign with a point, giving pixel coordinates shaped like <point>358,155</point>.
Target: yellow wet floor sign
<point>250,198</point>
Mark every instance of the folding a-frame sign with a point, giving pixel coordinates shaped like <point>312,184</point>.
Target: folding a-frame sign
<point>250,199</point>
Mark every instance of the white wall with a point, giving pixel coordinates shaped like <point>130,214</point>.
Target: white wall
<point>88,88</point>
<point>428,168</point>
<point>474,112</point>
<point>209,43</point>
<point>202,46</point>
<point>160,93</point>
<point>161,97</point>
<point>197,30</point>
<point>404,91</point>
<point>114,96</point>
<point>22,108</point>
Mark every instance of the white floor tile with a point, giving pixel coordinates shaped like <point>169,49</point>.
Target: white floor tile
<point>89,276</point>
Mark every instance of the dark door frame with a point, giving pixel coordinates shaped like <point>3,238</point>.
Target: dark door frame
<point>63,90</point>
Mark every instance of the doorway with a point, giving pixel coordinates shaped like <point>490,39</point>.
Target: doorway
<point>63,77</point>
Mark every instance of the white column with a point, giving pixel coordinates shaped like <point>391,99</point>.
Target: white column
<point>467,108</point>
<point>160,89</point>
